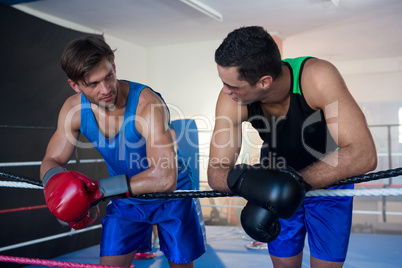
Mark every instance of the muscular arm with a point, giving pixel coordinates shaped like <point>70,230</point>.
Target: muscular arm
<point>63,142</point>
<point>152,122</point>
<point>325,89</point>
<point>226,141</point>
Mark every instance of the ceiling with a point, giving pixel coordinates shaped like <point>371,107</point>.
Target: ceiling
<point>354,30</point>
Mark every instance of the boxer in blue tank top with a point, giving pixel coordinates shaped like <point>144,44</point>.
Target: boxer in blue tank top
<point>125,153</point>
<point>129,124</point>
<point>314,135</point>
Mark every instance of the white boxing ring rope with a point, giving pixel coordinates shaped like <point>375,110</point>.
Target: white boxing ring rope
<point>16,184</point>
<point>48,238</point>
<point>313,193</point>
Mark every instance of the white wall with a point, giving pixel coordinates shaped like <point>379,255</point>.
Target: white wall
<point>186,76</point>
<point>373,80</point>
<point>131,60</point>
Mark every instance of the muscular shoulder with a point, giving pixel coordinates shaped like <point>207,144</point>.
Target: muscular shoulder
<point>321,82</point>
<point>318,67</point>
<point>151,112</point>
<point>70,113</point>
<point>73,101</point>
<point>148,99</point>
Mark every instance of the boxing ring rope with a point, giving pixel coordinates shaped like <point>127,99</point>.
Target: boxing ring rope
<point>51,263</point>
<point>23,185</point>
<point>209,194</point>
<point>30,183</point>
<point>22,209</point>
<point>38,163</point>
<point>44,239</point>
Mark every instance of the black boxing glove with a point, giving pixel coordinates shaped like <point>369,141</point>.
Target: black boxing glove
<point>280,191</point>
<point>259,223</point>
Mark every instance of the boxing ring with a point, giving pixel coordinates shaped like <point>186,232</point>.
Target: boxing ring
<point>225,244</point>
<point>225,238</point>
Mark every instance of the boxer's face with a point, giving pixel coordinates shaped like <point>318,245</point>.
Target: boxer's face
<point>239,90</point>
<point>100,86</point>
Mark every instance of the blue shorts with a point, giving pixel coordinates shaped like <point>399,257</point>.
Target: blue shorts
<point>127,226</point>
<point>146,245</point>
<point>327,220</point>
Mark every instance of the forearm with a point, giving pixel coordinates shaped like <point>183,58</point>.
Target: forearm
<point>47,164</point>
<point>59,151</point>
<point>217,177</point>
<point>154,180</point>
<point>339,165</point>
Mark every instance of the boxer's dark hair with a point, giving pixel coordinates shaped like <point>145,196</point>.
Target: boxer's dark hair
<point>253,51</point>
<point>82,55</point>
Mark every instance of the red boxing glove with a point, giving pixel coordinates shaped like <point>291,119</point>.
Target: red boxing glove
<point>69,195</point>
<point>88,219</point>
<point>83,223</point>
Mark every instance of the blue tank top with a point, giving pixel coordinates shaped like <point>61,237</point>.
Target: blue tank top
<point>125,152</point>
<point>301,137</point>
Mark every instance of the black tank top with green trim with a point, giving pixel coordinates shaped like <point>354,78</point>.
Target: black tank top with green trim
<point>299,138</point>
